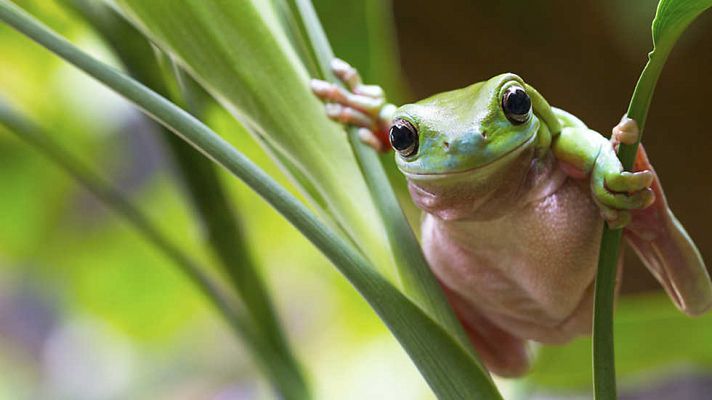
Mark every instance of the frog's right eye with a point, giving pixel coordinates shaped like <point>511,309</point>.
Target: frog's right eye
<point>404,138</point>
<point>517,105</point>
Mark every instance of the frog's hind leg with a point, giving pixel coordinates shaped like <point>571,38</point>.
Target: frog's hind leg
<point>661,242</point>
<point>502,353</point>
<point>667,250</point>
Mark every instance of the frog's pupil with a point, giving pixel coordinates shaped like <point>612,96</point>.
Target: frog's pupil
<point>518,102</point>
<point>401,137</point>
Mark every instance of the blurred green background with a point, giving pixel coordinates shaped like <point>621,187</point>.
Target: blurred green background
<point>89,311</point>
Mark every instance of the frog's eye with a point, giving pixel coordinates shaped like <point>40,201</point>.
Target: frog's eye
<point>516,105</point>
<point>404,138</point>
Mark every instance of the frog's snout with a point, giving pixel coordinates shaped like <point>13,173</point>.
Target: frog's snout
<point>467,144</point>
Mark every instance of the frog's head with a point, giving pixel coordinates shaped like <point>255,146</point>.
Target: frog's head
<point>463,145</point>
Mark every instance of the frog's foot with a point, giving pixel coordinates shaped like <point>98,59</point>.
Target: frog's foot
<point>618,192</point>
<point>623,191</point>
<point>359,105</point>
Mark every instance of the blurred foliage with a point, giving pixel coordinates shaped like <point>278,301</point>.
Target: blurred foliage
<point>653,340</point>
<point>70,270</point>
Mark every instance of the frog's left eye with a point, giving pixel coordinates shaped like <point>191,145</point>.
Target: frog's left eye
<point>404,138</point>
<point>516,105</point>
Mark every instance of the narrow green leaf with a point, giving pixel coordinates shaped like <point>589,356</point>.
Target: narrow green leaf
<point>445,364</point>
<point>671,19</point>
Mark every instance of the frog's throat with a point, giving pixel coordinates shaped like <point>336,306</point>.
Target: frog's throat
<point>492,165</point>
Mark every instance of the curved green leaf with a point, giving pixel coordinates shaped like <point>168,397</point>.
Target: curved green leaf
<point>239,51</point>
<point>672,18</point>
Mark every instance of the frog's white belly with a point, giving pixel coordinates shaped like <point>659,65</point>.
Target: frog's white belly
<point>530,272</point>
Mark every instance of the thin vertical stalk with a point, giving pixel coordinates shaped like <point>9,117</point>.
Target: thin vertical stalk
<point>604,370</point>
<point>671,19</point>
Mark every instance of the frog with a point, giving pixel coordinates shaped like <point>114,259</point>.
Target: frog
<point>515,194</point>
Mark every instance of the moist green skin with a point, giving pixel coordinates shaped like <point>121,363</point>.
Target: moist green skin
<point>466,128</point>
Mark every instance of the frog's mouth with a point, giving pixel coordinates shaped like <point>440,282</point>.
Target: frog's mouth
<point>493,165</point>
<point>468,193</point>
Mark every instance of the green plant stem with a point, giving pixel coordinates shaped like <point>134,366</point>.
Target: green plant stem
<point>604,371</point>
<point>448,367</point>
<point>272,362</point>
<point>667,28</point>
<point>201,181</point>
<point>416,276</point>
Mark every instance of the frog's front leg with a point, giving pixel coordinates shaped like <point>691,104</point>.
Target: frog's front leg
<point>358,105</point>
<point>585,153</point>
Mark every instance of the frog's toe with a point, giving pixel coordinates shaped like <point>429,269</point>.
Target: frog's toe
<point>370,138</point>
<point>616,219</point>
<point>347,115</point>
<point>373,91</point>
<point>352,79</point>
<point>625,201</point>
<point>629,182</point>
<point>626,132</point>
<point>329,92</point>
<point>345,72</point>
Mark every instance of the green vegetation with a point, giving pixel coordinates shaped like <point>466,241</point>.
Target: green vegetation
<point>209,74</point>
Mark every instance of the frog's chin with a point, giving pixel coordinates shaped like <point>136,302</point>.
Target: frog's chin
<point>468,194</point>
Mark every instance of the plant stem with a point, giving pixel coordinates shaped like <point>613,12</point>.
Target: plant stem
<point>604,377</point>
<point>604,371</point>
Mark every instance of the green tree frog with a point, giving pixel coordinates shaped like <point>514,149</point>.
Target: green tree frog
<point>514,193</point>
